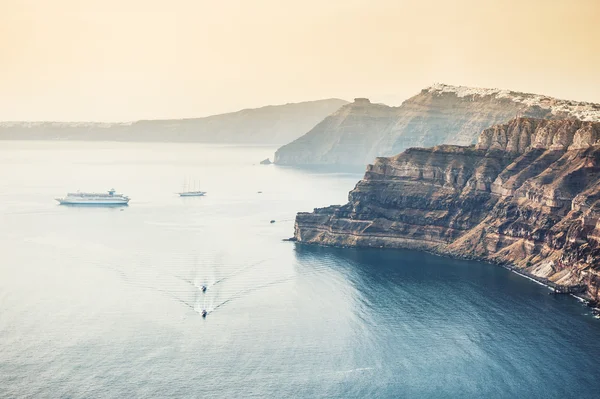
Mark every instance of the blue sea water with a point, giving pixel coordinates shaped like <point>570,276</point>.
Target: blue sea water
<point>104,303</point>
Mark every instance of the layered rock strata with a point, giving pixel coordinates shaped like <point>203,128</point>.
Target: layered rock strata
<point>526,195</point>
<point>441,114</point>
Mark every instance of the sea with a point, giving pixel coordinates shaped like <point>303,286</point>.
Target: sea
<point>107,302</point>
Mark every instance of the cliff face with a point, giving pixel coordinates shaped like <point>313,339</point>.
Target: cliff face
<point>359,132</point>
<point>341,136</point>
<point>273,125</point>
<point>528,194</point>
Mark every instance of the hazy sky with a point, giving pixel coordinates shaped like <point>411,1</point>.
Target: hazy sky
<point>114,60</point>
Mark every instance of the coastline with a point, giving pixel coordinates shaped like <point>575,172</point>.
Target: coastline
<point>581,298</point>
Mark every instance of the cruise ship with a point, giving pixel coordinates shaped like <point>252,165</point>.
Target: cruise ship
<point>94,199</point>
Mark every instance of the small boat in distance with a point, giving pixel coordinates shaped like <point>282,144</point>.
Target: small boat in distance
<point>94,199</point>
<point>193,192</point>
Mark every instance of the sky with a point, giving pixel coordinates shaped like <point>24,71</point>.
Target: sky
<point>123,60</point>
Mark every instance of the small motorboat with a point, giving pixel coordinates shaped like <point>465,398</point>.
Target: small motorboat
<point>203,288</point>
<point>204,313</point>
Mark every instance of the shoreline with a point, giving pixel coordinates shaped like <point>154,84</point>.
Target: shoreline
<point>580,298</point>
<point>528,277</point>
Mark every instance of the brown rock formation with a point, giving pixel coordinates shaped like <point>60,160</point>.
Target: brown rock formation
<point>528,195</point>
<point>441,114</point>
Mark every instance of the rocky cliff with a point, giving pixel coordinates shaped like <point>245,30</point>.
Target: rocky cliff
<point>341,137</point>
<point>440,114</point>
<point>275,125</point>
<point>527,194</point>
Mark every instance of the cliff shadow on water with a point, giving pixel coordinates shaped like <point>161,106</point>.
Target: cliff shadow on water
<point>432,279</point>
<point>369,270</point>
<point>425,320</point>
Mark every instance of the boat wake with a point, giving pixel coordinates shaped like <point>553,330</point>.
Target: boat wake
<point>243,293</point>
<point>357,370</point>
<point>212,281</point>
<point>239,271</point>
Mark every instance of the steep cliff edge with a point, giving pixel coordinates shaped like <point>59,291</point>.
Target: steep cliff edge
<point>273,124</point>
<point>440,114</point>
<point>341,136</point>
<point>528,195</point>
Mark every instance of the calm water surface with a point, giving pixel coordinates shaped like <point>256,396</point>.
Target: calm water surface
<point>104,303</point>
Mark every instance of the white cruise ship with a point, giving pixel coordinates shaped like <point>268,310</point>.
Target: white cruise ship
<point>95,199</point>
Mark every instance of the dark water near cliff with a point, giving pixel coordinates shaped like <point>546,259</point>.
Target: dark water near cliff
<point>104,303</point>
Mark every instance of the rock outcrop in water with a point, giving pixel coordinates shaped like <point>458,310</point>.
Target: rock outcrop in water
<point>441,114</point>
<point>527,195</point>
<point>274,125</point>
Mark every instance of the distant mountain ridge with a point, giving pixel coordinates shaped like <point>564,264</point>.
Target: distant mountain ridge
<point>273,124</point>
<point>440,114</point>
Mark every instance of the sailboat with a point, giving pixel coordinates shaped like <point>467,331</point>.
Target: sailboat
<point>193,192</point>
